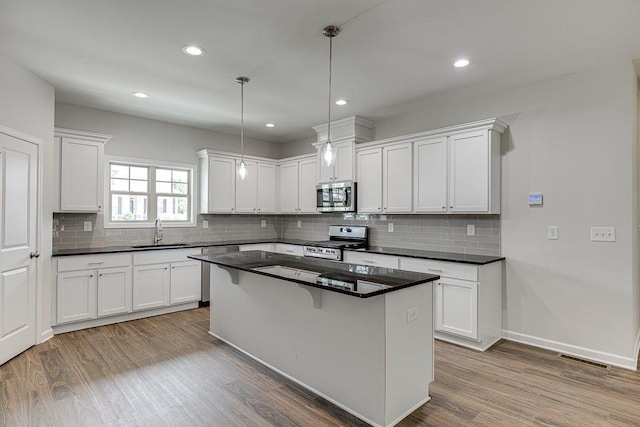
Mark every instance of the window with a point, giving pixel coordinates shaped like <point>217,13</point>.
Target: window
<point>139,193</point>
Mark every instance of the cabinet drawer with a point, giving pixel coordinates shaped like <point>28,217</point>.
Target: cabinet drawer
<point>454,270</point>
<point>163,256</point>
<point>375,260</point>
<point>287,249</point>
<point>267,247</point>
<point>83,262</point>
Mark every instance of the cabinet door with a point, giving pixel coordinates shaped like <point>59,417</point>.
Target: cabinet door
<point>430,175</point>
<point>397,163</point>
<point>325,174</point>
<point>76,296</point>
<point>469,172</point>
<point>343,170</point>
<point>456,307</point>
<point>246,189</point>
<point>308,179</point>
<point>185,282</point>
<point>114,291</point>
<point>81,175</point>
<point>151,286</point>
<point>266,188</point>
<point>221,185</point>
<point>369,170</point>
<point>289,187</point>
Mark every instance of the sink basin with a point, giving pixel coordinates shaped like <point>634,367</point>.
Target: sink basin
<point>162,245</point>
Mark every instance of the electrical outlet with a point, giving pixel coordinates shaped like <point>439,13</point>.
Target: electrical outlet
<point>299,224</point>
<point>471,230</point>
<point>603,234</point>
<point>264,223</point>
<point>205,224</point>
<point>412,314</point>
<point>553,232</point>
<point>390,227</point>
<point>87,226</point>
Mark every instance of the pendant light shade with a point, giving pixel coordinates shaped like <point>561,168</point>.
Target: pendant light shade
<point>328,152</point>
<point>242,166</point>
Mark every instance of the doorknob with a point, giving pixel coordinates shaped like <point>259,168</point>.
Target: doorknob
<point>34,255</point>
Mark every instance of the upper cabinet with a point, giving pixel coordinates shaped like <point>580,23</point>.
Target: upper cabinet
<point>297,188</point>
<point>223,192</point>
<point>345,134</point>
<point>384,179</point>
<point>79,170</point>
<point>455,170</point>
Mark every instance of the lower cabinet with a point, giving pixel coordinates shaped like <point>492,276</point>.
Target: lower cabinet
<point>151,286</point>
<point>91,287</point>
<point>456,307</point>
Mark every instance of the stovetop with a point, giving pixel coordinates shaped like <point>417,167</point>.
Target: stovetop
<point>337,244</point>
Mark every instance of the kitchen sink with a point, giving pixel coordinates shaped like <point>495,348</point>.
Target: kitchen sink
<point>162,245</point>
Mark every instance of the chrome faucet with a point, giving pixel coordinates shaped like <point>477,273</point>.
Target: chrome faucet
<point>157,234</point>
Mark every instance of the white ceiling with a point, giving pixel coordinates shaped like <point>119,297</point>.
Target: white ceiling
<point>96,52</point>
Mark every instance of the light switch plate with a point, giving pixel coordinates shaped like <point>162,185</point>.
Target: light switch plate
<point>205,224</point>
<point>553,232</point>
<point>390,227</point>
<point>471,230</point>
<point>412,314</point>
<point>264,223</point>
<point>299,224</point>
<point>603,234</point>
<point>87,226</point>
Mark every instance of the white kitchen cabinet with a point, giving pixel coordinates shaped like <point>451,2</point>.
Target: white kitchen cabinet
<point>257,192</point>
<point>217,183</point>
<point>297,187</point>
<point>151,286</point>
<point>153,277</point>
<point>76,298</point>
<point>385,179</point>
<point>430,175</point>
<point>267,247</point>
<point>467,300</point>
<point>92,286</point>
<point>114,291</point>
<point>287,249</point>
<point>185,281</point>
<point>457,307</point>
<point>367,258</point>
<point>343,169</point>
<point>79,170</point>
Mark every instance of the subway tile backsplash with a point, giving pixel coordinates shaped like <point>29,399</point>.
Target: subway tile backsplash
<point>429,232</point>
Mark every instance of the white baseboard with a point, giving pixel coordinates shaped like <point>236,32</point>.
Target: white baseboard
<point>573,350</point>
<point>636,350</point>
<point>45,336</point>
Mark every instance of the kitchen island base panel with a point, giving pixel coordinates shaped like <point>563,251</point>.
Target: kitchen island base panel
<point>362,354</point>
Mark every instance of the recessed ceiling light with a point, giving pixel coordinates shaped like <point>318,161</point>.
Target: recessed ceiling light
<point>270,125</point>
<point>460,63</point>
<point>192,50</point>
<point>139,94</point>
<point>342,102</point>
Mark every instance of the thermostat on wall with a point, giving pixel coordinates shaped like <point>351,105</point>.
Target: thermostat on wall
<point>535,198</point>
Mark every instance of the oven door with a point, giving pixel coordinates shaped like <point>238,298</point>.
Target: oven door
<point>336,197</point>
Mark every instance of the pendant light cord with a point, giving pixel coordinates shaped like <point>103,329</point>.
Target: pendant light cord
<point>330,66</point>
<point>242,120</point>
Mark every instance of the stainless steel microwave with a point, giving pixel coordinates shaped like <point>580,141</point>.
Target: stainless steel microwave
<point>336,197</point>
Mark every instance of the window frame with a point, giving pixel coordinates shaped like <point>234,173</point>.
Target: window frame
<point>152,196</point>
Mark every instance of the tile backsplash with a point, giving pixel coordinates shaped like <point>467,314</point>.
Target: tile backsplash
<point>429,232</point>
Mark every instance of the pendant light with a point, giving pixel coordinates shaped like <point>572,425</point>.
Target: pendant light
<point>328,152</point>
<point>242,166</point>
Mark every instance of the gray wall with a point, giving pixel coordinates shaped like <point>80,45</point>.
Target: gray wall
<point>26,105</point>
<point>298,148</point>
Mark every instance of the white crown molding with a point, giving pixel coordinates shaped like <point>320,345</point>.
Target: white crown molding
<point>72,133</point>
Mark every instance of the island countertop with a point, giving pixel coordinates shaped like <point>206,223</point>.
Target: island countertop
<point>352,279</point>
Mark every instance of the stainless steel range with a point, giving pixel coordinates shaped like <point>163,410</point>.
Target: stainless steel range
<point>340,237</point>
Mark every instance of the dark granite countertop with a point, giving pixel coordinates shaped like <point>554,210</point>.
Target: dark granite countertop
<point>361,281</point>
<point>136,248</point>
<point>435,255</point>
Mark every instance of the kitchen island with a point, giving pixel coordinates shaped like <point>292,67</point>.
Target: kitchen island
<point>359,336</point>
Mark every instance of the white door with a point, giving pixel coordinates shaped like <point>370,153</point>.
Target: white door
<point>76,296</point>
<point>246,189</point>
<point>344,161</point>
<point>456,307</point>
<point>18,240</point>
<point>151,286</point>
<point>185,282</point>
<point>397,179</point>
<point>222,185</point>
<point>369,170</point>
<point>114,291</point>
<point>85,159</point>
<point>307,188</point>
<point>430,175</point>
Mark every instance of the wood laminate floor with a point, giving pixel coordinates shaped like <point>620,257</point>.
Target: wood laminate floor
<point>167,371</point>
